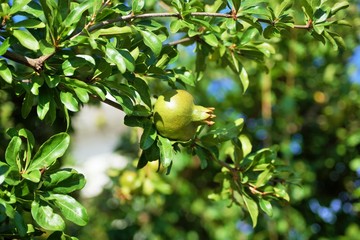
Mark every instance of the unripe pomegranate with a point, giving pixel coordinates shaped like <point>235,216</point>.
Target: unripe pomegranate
<point>177,117</point>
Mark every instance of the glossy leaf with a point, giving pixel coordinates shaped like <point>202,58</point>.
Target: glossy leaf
<point>26,39</point>
<point>166,151</point>
<point>252,208</point>
<point>50,151</point>
<point>70,102</point>
<point>149,135</point>
<point>4,169</point>
<point>64,181</point>
<point>71,209</point>
<point>266,206</point>
<point>45,216</point>
<point>5,72</point>
<point>137,5</point>
<point>12,152</point>
<point>18,5</point>
<point>152,41</point>
<point>4,46</point>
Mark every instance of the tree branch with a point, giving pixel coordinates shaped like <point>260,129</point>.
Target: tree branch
<point>35,63</point>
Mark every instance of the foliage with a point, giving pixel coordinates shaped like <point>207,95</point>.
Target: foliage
<point>59,55</point>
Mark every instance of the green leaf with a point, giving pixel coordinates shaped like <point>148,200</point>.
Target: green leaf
<point>284,6</point>
<point>216,136</point>
<point>82,94</point>
<point>244,78</point>
<point>64,181</point>
<point>44,215</point>
<point>137,5</point>
<point>264,177</point>
<point>4,46</point>
<point>26,39</point>
<point>152,41</point>
<point>43,105</point>
<point>27,104</point>
<point>70,102</point>
<point>339,6</point>
<point>252,207</point>
<point>4,169</point>
<point>203,155</point>
<point>5,72</point>
<point>18,5</point>
<point>20,224</point>
<point>74,17</point>
<point>149,135</point>
<point>266,206</point>
<point>29,23</point>
<point>113,56</point>
<point>50,151</point>
<point>12,152</point>
<point>115,30</point>
<point>248,35</point>
<point>166,151</point>
<point>143,89</point>
<point>71,209</point>
<point>211,40</point>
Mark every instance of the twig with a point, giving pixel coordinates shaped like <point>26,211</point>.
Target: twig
<point>35,63</point>
<point>108,102</point>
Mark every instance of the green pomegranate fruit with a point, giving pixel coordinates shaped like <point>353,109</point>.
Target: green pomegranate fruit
<point>177,117</point>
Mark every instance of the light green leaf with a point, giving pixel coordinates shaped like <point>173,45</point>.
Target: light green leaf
<point>266,206</point>
<point>166,151</point>
<point>12,151</point>
<point>4,46</point>
<point>44,215</point>
<point>5,72</point>
<point>264,177</point>
<point>18,5</point>
<point>252,207</point>
<point>70,102</point>
<point>71,209</point>
<point>245,144</point>
<point>75,15</point>
<point>137,5</point>
<point>26,39</point>
<point>115,30</point>
<point>339,6</point>
<point>211,40</point>
<point>244,78</point>
<point>152,41</point>
<point>50,151</point>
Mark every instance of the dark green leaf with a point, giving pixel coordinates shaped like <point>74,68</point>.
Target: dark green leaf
<point>149,135</point>
<point>28,23</point>
<point>204,156</point>
<point>27,104</point>
<point>20,224</point>
<point>64,181</point>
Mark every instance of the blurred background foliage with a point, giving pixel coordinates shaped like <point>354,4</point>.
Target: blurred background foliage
<point>307,106</point>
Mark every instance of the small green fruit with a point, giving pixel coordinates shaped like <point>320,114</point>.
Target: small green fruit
<point>177,117</point>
